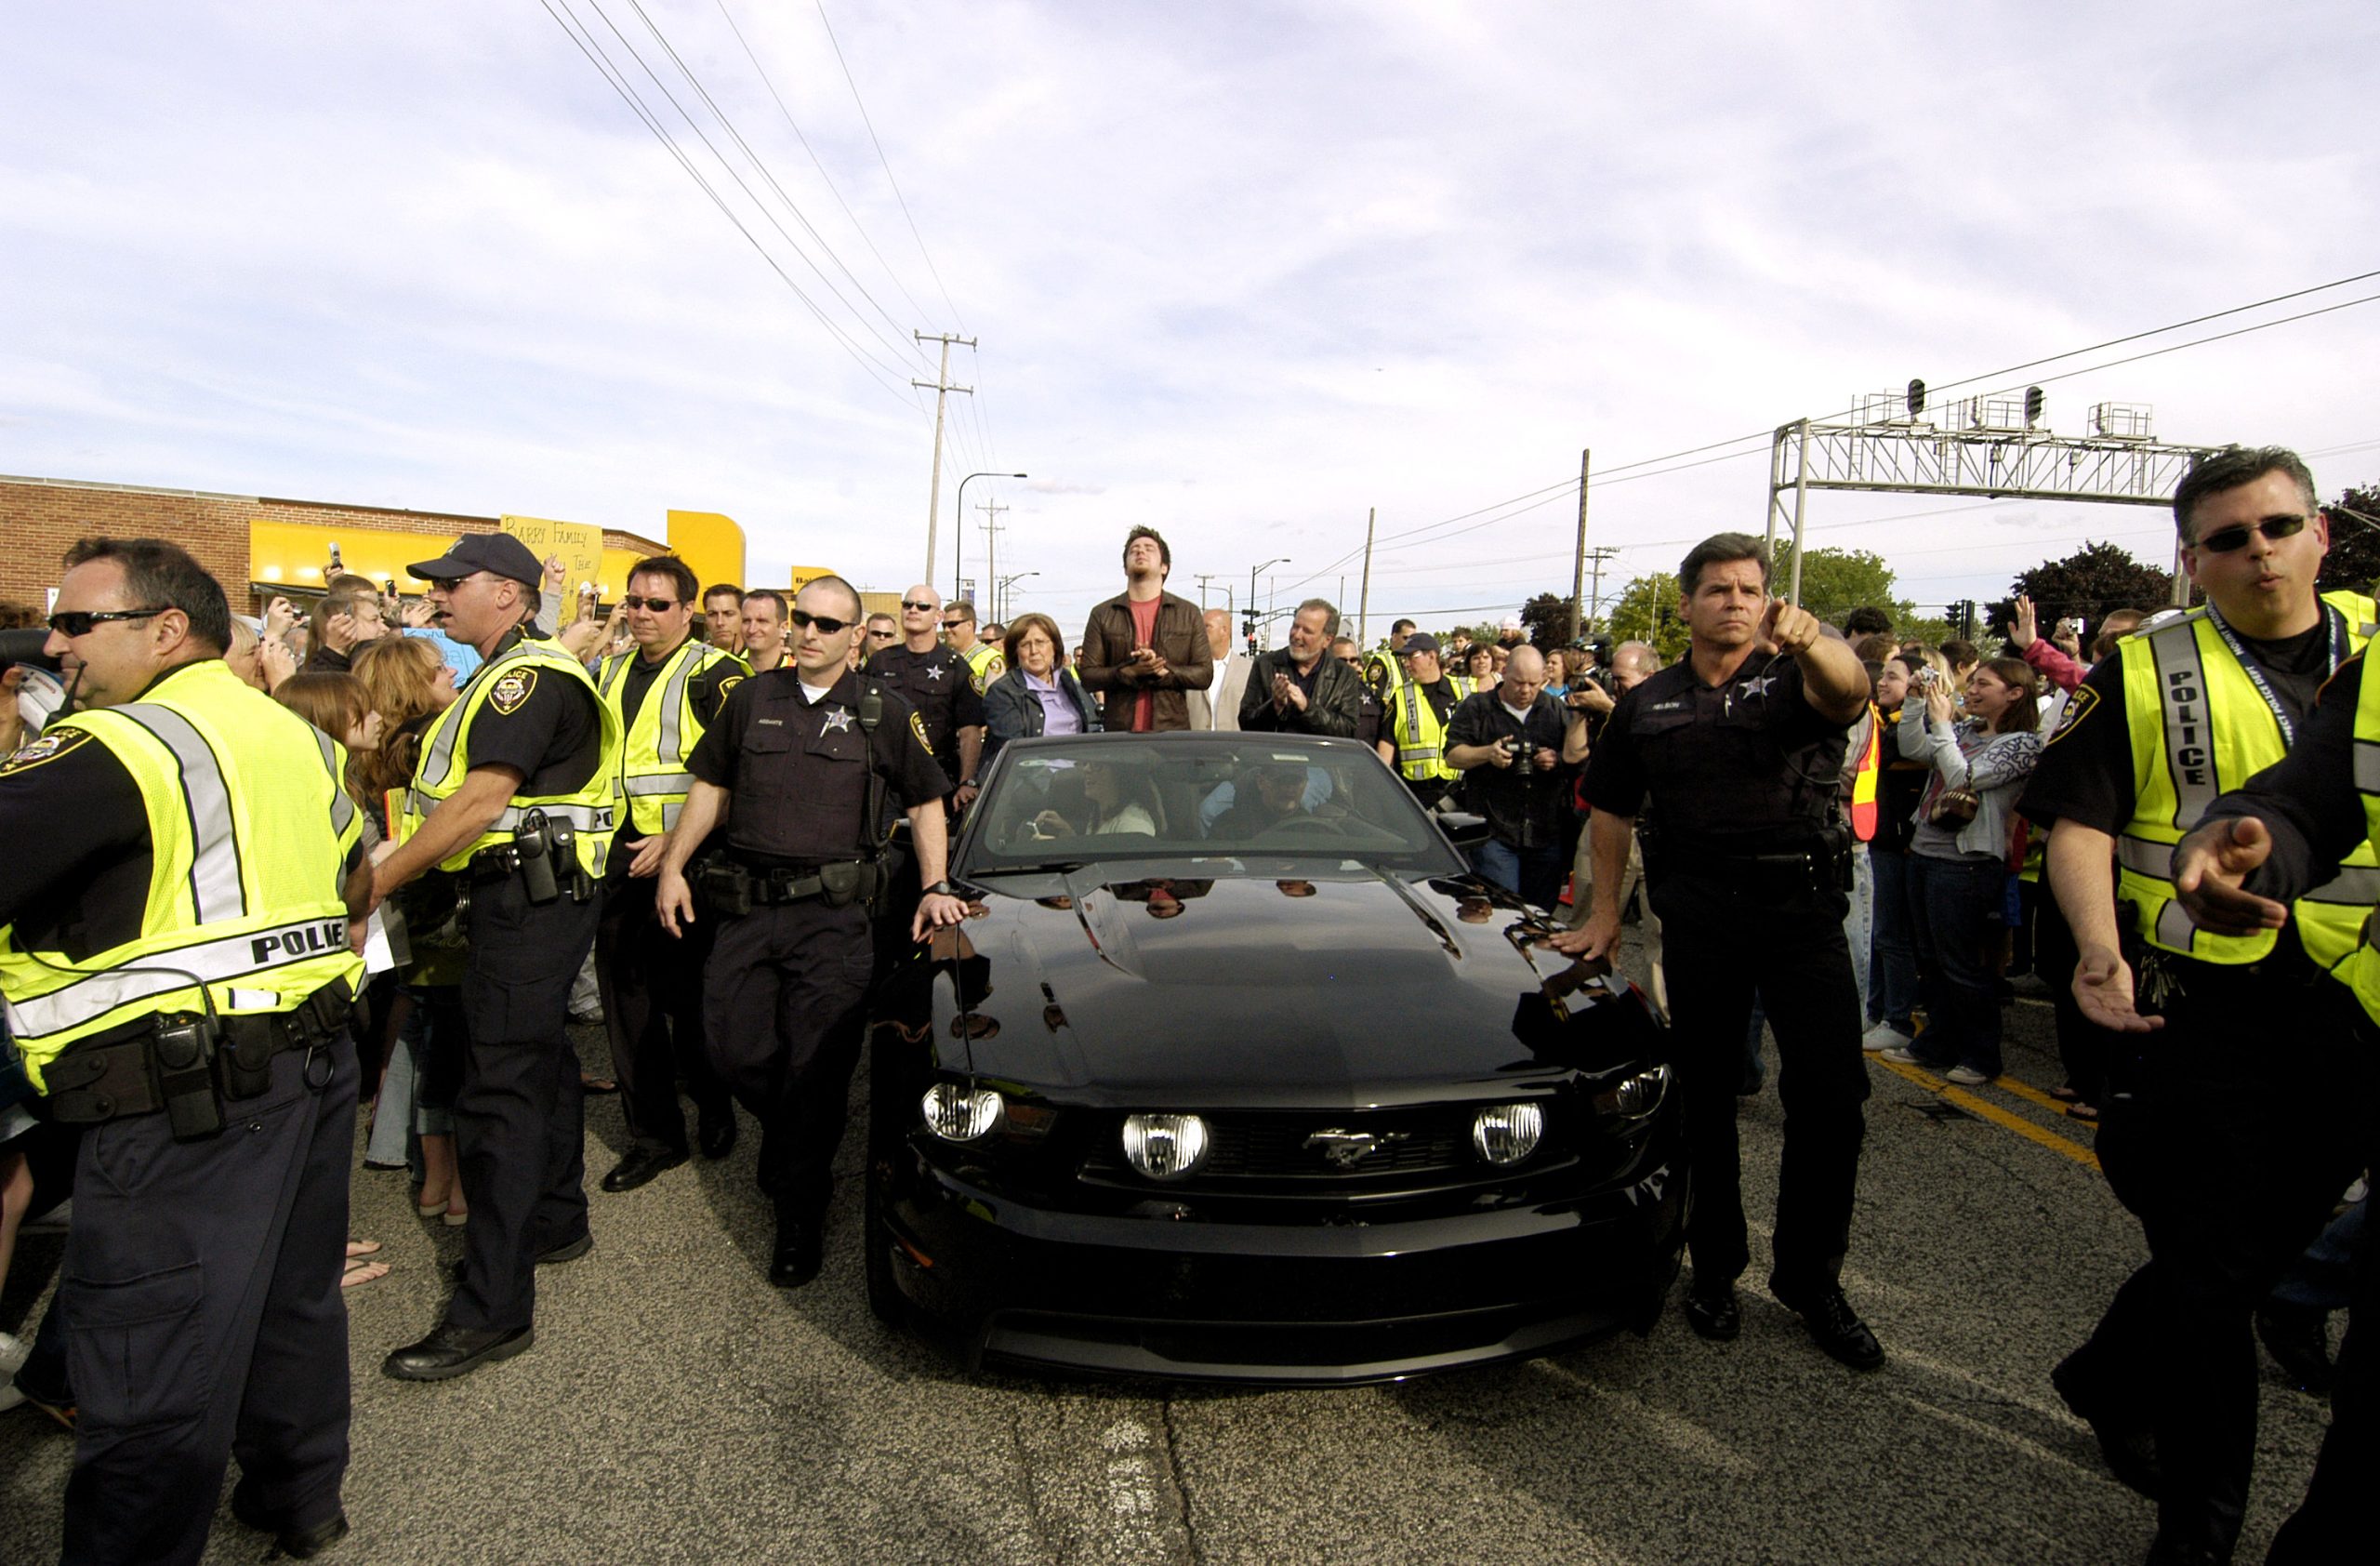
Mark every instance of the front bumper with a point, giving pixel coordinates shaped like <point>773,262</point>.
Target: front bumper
<point>1301,1293</point>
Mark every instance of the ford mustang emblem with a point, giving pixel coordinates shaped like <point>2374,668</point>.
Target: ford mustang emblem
<point>1347,1149</point>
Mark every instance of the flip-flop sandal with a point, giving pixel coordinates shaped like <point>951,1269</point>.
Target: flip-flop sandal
<point>360,1271</point>
<point>598,1084</point>
<point>2087,1113</point>
<point>362,1248</point>
<point>2066,1096</point>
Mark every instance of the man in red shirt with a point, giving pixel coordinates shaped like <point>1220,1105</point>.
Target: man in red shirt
<point>1145,648</point>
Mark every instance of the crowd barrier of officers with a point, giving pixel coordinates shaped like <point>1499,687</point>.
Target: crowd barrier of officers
<point>197,871</point>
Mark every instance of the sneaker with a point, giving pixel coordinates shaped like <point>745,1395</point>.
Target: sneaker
<point>1883,1037</point>
<point>1901,1055</point>
<point>1966,1076</point>
<point>13,1350</point>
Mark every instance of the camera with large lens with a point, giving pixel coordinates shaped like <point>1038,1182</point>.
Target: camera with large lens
<point>1524,758</point>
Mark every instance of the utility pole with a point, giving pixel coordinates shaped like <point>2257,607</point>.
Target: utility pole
<point>942,389</point>
<point>1203,579</point>
<point>1364,610</point>
<point>1579,561</point>
<point>1595,601</point>
<point>992,529</point>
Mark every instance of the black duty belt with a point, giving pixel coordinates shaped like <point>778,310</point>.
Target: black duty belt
<point>733,889</point>
<point>93,1084</point>
<point>507,861</point>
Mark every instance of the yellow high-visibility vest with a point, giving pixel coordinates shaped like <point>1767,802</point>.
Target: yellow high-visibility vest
<point>984,665</point>
<point>654,782</point>
<point>249,831</point>
<point>2201,724</point>
<point>507,680</point>
<point>2361,969</point>
<point>1420,736</point>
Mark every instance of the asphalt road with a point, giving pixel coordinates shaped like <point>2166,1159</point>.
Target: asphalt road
<point>676,1408</point>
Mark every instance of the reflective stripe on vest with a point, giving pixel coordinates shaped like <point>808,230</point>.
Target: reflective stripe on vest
<point>592,808</point>
<point>652,777</point>
<point>249,845</point>
<point>2361,969</point>
<point>2199,727</point>
<point>1425,759</point>
<point>1863,782</point>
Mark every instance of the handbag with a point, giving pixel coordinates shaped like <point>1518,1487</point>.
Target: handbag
<point>1956,807</point>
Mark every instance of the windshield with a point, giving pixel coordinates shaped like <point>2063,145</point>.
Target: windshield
<point>1105,797</point>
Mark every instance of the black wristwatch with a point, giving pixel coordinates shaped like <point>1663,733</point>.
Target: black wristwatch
<point>941,889</point>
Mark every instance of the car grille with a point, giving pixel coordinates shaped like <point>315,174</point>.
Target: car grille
<point>1430,1147</point>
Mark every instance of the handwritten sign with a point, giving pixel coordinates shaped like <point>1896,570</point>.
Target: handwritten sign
<point>579,544</point>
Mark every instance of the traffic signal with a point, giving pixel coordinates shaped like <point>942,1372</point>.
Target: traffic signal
<point>2034,400</point>
<point>1916,397</point>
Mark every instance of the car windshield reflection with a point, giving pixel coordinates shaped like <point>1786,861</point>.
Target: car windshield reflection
<point>1107,797</point>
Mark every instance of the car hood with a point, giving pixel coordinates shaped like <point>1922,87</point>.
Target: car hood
<point>1244,989</point>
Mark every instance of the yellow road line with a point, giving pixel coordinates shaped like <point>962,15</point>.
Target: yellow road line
<point>2007,1119</point>
<point>2029,1092</point>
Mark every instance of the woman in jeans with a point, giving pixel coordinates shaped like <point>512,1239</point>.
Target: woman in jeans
<point>1892,981</point>
<point>1959,870</point>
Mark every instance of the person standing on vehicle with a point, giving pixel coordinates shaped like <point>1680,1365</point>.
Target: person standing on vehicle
<point>514,794</point>
<point>1519,748</point>
<point>1413,738</point>
<point>802,767</point>
<point>2202,1138</point>
<point>1145,649</point>
<point>185,825</point>
<point>1301,689</point>
<point>664,693</point>
<point>1217,707</point>
<point>1738,753</point>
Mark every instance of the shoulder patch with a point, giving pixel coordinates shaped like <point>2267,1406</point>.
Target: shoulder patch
<point>2078,706</point>
<point>48,748</point>
<point>727,688</point>
<point>917,727</point>
<point>511,688</point>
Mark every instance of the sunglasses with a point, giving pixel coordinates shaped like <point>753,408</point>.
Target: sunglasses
<point>78,622</point>
<point>828,625</point>
<point>928,607</point>
<point>2231,538</point>
<point>656,605</point>
<point>882,635</point>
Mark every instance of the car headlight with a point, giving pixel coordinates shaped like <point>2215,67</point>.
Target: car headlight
<point>1635,1097</point>
<point>1165,1147</point>
<point>1508,1132</point>
<point>958,1113</point>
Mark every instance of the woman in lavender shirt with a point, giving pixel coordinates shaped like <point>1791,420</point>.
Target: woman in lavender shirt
<point>1038,695</point>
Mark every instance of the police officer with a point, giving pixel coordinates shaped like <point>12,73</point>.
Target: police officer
<point>801,766</point>
<point>1414,737</point>
<point>1737,749</point>
<point>2262,846</point>
<point>983,661</point>
<point>665,692</point>
<point>938,685</point>
<point>514,796</point>
<point>1385,667</point>
<point>188,828</point>
<point>2203,1139</point>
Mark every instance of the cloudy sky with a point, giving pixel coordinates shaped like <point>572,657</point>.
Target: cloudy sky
<point>1240,272</point>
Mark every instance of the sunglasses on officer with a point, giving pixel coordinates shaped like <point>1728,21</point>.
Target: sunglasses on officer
<point>78,622</point>
<point>657,606</point>
<point>828,625</point>
<point>923,606</point>
<point>2225,540</point>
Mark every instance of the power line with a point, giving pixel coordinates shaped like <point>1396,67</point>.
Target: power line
<point>931,270</point>
<point>618,82</point>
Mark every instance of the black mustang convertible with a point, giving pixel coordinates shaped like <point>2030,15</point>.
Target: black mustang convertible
<point>1237,1072</point>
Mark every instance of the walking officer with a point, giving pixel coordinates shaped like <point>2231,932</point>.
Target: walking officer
<point>665,691</point>
<point>799,766</point>
<point>2210,1129</point>
<point>1738,751</point>
<point>513,796</point>
<point>1413,736</point>
<point>177,966</point>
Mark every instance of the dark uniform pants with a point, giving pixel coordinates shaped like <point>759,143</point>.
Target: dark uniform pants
<point>202,1317</point>
<point>785,996</point>
<point>650,982</point>
<point>1723,937</point>
<point>517,1125</point>
<point>2232,1143</point>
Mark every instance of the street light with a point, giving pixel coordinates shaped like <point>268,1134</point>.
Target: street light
<point>959,550</point>
<point>999,591</point>
<point>1252,589</point>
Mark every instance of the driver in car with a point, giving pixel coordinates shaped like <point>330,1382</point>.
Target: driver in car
<point>1276,793</point>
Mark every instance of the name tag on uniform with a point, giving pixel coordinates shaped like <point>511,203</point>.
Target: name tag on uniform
<point>770,722</point>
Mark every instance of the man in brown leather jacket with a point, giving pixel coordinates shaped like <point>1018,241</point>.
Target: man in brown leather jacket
<point>1144,647</point>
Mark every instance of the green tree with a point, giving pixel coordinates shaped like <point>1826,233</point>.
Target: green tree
<point>2090,583</point>
<point>1647,610</point>
<point>1547,616</point>
<point>1836,581</point>
<point>2354,560</point>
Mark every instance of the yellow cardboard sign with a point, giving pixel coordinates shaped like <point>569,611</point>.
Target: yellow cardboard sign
<point>580,545</point>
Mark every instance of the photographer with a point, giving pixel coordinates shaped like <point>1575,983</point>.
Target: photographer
<point>1511,745</point>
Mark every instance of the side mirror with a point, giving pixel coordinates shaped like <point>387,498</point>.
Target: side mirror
<point>1462,829</point>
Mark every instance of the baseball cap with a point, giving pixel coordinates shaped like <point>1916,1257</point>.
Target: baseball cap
<point>499,554</point>
<point>1421,641</point>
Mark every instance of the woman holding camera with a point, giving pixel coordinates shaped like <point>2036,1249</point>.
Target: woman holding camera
<point>1892,974</point>
<point>1958,857</point>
